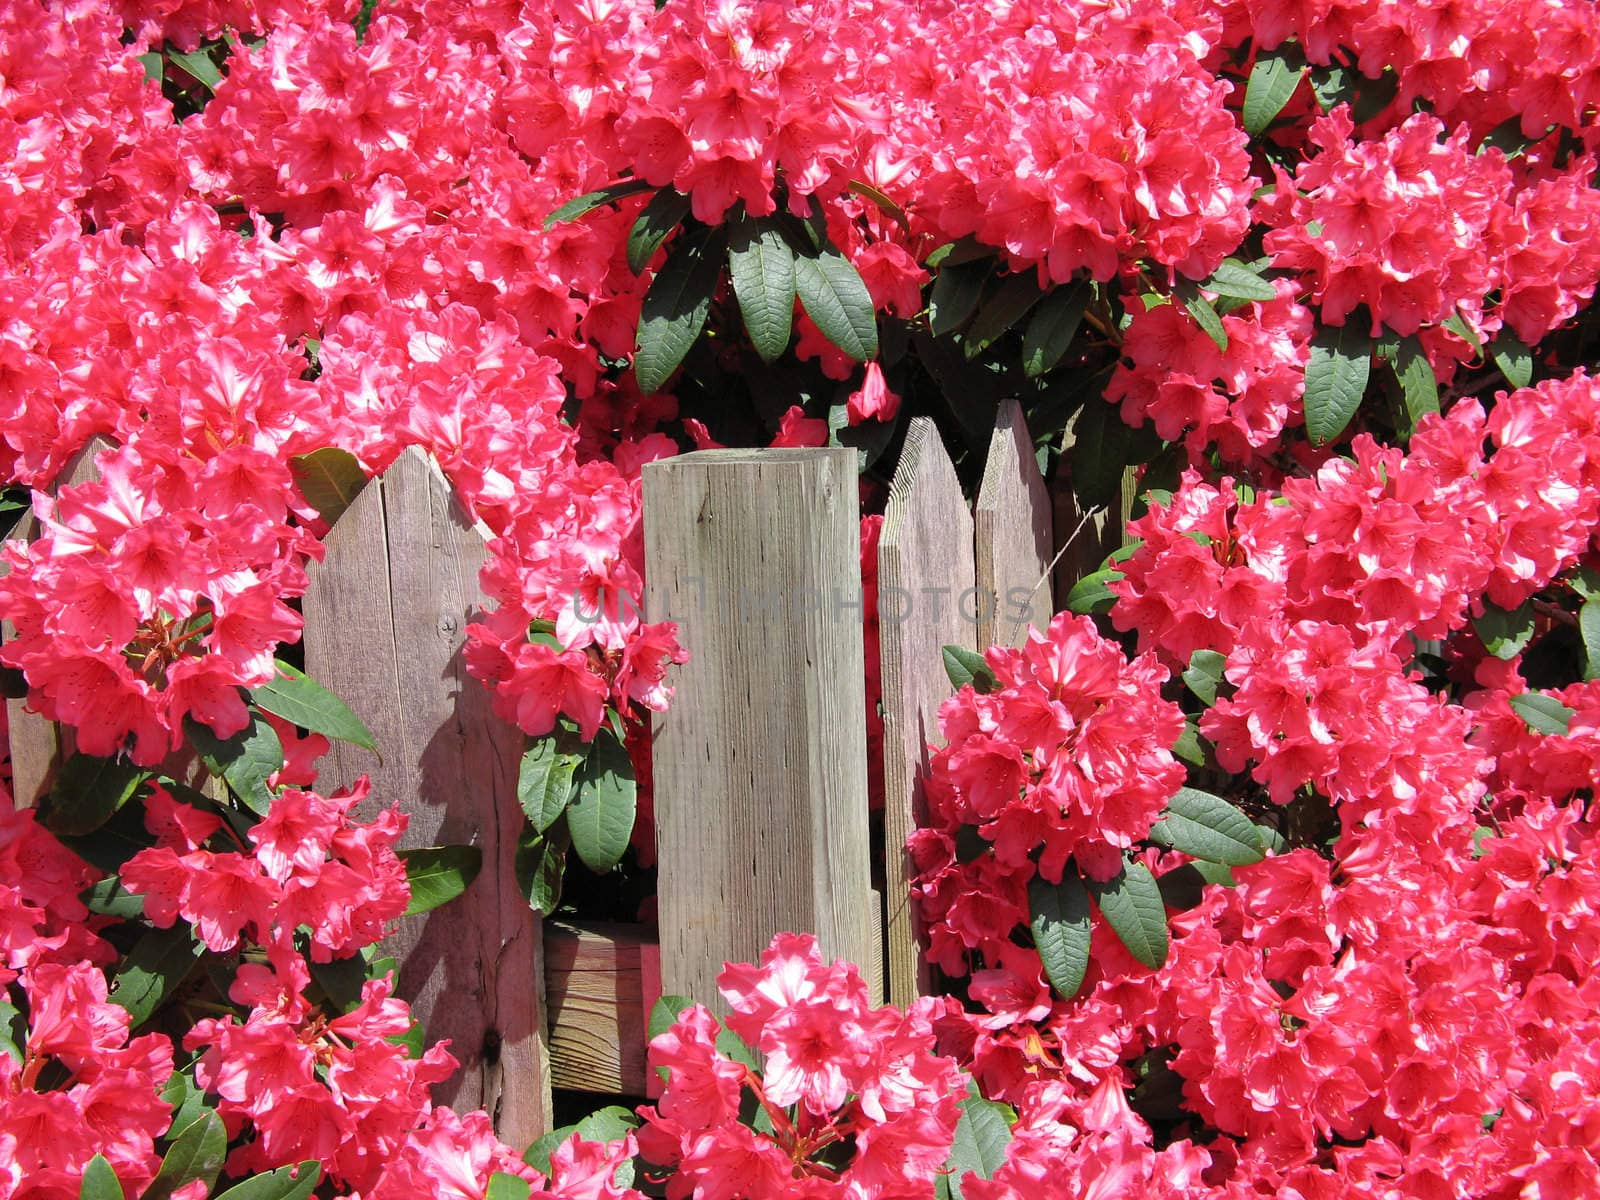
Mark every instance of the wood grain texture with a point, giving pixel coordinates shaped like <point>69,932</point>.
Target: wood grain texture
<point>1013,535</point>
<point>760,763</point>
<point>386,615</point>
<point>925,563</point>
<point>38,745</point>
<point>600,996</point>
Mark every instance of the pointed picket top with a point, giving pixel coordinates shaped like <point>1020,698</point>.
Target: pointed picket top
<point>386,614</point>
<point>1013,530</point>
<point>925,567</point>
<point>38,745</point>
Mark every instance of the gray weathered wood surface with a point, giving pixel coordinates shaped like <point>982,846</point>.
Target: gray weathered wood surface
<point>38,745</point>
<point>925,563</point>
<point>1013,529</point>
<point>760,763</point>
<point>386,615</point>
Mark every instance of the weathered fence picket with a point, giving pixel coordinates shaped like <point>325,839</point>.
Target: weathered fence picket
<point>386,617</point>
<point>1012,527</point>
<point>760,764</point>
<point>925,567</point>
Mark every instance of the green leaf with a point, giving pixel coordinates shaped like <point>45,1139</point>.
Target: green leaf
<point>1091,595</point>
<point>675,308</point>
<point>1131,904</point>
<point>655,223</point>
<point>965,667</point>
<point>837,301</point>
<point>761,263</point>
<point>152,970</point>
<point>1589,627</point>
<point>608,1124</point>
<point>438,874</point>
<point>503,1186</point>
<point>545,780</point>
<point>1336,379</point>
<point>664,1014</point>
<point>100,1182</point>
<point>153,65</point>
<point>88,790</point>
<point>185,1099</point>
<point>1515,360</point>
<point>13,1031</point>
<point>589,201</point>
<point>956,291</point>
<point>299,699</point>
<point>1273,82</point>
<point>109,898</point>
<point>1234,278</point>
<point>1508,138</point>
<point>540,866</point>
<point>198,63</point>
<point>1204,674</point>
<point>1457,324</point>
<point>867,192</point>
<point>601,814</point>
<point>1053,326</point>
<point>341,980</point>
<point>245,761</point>
<point>1101,444</point>
<point>1332,86</point>
<point>1059,917</point>
<point>330,479</point>
<point>1188,746</point>
<point>1011,300</point>
<point>538,1154</point>
<point>982,1135</point>
<point>286,1183</point>
<point>198,1153</point>
<point>1586,582</point>
<point>1204,315</point>
<point>1272,839</point>
<point>1374,95</point>
<point>1418,384</point>
<point>1505,634</point>
<point>1208,827</point>
<point>1544,714</point>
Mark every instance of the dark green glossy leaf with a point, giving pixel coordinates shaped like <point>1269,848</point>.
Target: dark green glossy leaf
<point>1544,714</point>
<point>1053,326</point>
<point>1101,444</point>
<point>589,201</point>
<point>1505,634</point>
<point>1008,303</point>
<point>761,263</point>
<point>1418,385</point>
<point>867,192</point>
<point>330,479</point>
<point>100,1182</point>
<point>1208,827</point>
<point>1233,278</point>
<point>982,1135</point>
<point>1508,138</point>
<point>540,866</point>
<point>1188,746</point>
<point>546,779</point>
<point>601,814</point>
<point>109,898</point>
<point>1332,86</point>
<point>1336,380</point>
<point>1091,595</point>
<point>1273,81</point>
<point>1512,356</point>
<point>299,699</point>
<point>1374,95</point>
<point>197,1153</point>
<point>198,64</point>
<point>438,874</point>
<point>1204,315</point>
<point>676,306</point>
<point>1131,904</point>
<point>654,225</point>
<point>1059,916</point>
<point>957,288</point>
<point>286,1183</point>
<point>88,791</point>
<point>965,667</point>
<point>837,301</point>
<point>1589,627</point>
<point>152,970</point>
<point>507,1187</point>
<point>245,761</point>
<point>1204,674</point>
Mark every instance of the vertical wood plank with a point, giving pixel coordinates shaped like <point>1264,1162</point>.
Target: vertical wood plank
<point>1013,534</point>
<point>386,615</point>
<point>38,745</point>
<point>760,763</point>
<point>925,564</point>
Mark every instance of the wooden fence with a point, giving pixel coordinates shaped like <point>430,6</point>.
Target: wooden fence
<point>760,766</point>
